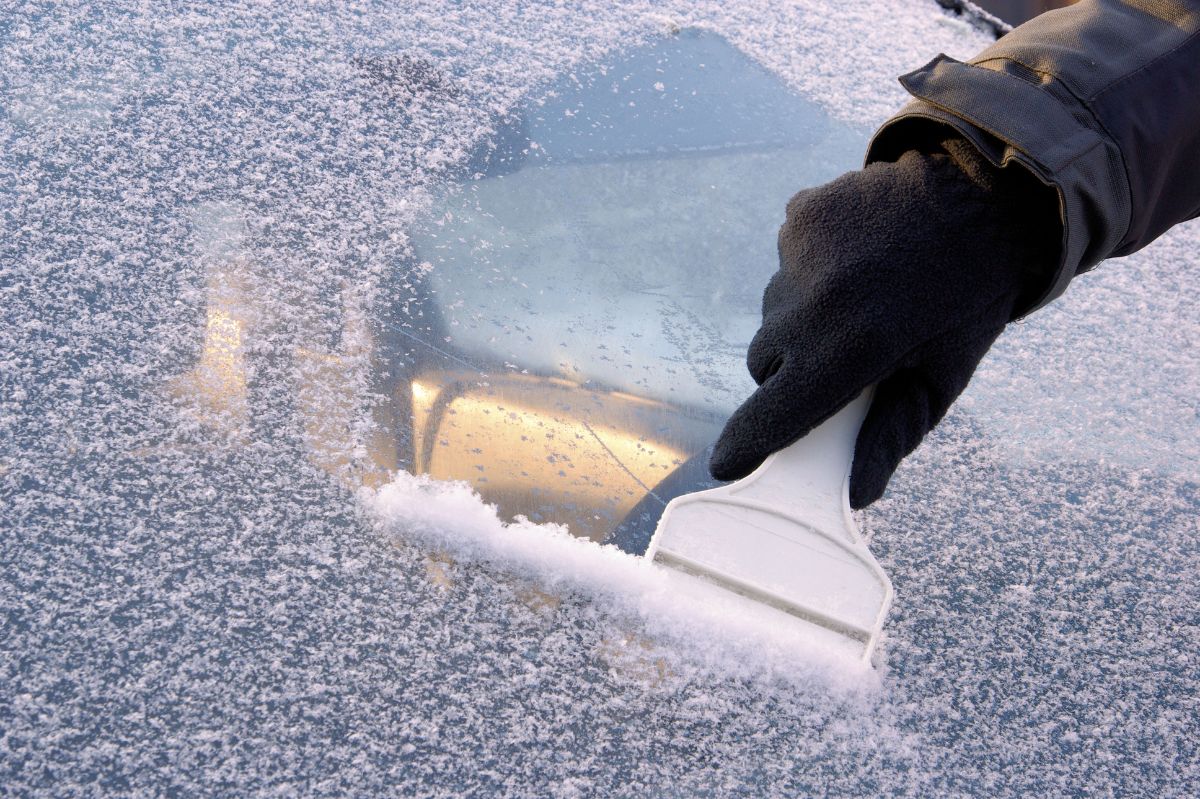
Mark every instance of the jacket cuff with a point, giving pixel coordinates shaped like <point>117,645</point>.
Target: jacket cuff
<point>1009,118</point>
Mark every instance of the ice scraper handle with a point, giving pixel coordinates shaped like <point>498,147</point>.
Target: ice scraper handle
<point>902,275</point>
<point>809,479</point>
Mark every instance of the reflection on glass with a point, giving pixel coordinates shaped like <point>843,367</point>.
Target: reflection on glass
<point>216,388</point>
<point>549,449</point>
<point>575,318</point>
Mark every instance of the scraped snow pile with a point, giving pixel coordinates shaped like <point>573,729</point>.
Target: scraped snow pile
<point>451,520</point>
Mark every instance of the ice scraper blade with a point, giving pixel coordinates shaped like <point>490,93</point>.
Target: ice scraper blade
<point>781,545</point>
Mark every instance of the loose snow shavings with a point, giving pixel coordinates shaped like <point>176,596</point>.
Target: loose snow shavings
<point>451,520</point>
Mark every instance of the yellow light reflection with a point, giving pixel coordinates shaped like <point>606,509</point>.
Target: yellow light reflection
<point>222,358</point>
<point>423,396</point>
<point>549,450</point>
<point>217,384</point>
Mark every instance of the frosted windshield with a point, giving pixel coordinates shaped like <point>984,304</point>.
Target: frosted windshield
<point>295,321</point>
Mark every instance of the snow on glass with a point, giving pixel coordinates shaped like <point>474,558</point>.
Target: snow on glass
<point>213,584</point>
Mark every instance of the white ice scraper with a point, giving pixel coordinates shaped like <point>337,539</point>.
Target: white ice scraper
<point>780,547</point>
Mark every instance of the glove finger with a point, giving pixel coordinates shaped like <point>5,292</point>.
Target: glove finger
<point>774,416</point>
<point>764,356</point>
<point>899,417</point>
<point>906,406</point>
<point>763,424</point>
<point>801,386</point>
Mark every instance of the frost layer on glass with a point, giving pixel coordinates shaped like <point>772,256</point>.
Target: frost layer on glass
<point>597,280</point>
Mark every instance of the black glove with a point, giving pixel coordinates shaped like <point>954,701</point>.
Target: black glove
<point>901,274</point>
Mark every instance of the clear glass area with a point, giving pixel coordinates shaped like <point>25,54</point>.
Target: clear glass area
<point>575,315</point>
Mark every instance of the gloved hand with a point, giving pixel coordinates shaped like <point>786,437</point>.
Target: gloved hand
<point>902,275</point>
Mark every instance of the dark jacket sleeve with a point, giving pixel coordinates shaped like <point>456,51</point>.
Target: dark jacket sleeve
<point>1100,100</point>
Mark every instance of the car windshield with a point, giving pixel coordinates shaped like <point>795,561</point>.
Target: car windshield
<point>351,352</point>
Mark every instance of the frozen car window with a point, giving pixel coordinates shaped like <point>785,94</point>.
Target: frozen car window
<point>260,261</point>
